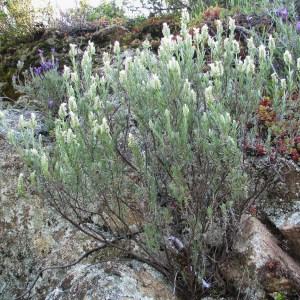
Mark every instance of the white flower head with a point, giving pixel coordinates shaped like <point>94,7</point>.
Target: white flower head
<point>196,33</point>
<point>117,48</point>
<point>20,184</point>
<point>188,92</point>
<point>33,121</point>
<point>44,164</point>
<point>204,33</point>
<point>179,39</point>
<point>262,52</point>
<point>146,44</point>
<point>67,72</point>
<point>185,111</point>
<point>11,137</point>
<point>174,66</point>
<point>217,69</point>
<point>74,120</point>
<point>166,30</point>
<point>167,113</point>
<point>151,125</point>
<point>283,83</point>
<point>131,140</point>
<point>103,80</point>
<point>211,42</point>
<point>91,48</point>
<point>251,45</point>
<point>239,65</point>
<point>219,26</point>
<point>22,123</point>
<point>73,50</point>
<point>2,115</point>
<point>298,64</point>
<point>72,105</point>
<point>231,24</point>
<point>62,112</point>
<point>74,77</point>
<point>271,44</point>
<point>236,46</point>
<point>106,58</point>
<point>127,62</point>
<point>104,127</point>
<point>287,57</point>
<point>20,65</point>
<point>86,59</point>
<point>91,117</point>
<point>167,45</point>
<point>70,136</point>
<point>249,66</point>
<point>185,17</point>
<point>154,82</point>
<point>123,76</point>
<point>274,78</point>
<point>34,152</point>
<point>96,129</point>
<point>208,93</point>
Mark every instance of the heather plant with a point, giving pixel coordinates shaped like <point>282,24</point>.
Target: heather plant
<point>287,31</point>
<point>148,158</point>
<point>43,83</point>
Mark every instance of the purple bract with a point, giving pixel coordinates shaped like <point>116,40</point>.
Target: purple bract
<point>51,104</point>
<point>298,26</point>
<point>44,67</point>
<point>282,13</point>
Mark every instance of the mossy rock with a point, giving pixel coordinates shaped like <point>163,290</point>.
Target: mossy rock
<point>153,26</point>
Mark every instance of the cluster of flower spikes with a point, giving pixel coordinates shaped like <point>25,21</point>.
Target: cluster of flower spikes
<point>284,14</point>
<point>45,65</point>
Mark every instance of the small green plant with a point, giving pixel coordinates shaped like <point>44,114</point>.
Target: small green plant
<point>279,296</point>
<point>43,83</point>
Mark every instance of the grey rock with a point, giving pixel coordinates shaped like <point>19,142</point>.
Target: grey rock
<point>260,265</point>
<point>282,203</point>
<point>113,281</point>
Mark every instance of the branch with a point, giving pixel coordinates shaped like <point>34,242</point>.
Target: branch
<point>60,267</point>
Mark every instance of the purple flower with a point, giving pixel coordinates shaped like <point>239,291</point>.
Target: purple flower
<point>51,104</point>
<point>52,50</point>
<point>44,67</point>
<point>282,13</point>
<point>37,71</point>
<point>298,26</point>
<point>40,51</point>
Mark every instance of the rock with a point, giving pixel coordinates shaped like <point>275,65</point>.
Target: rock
<point>282,204</point>
<point>292,235</point>
<point>12,116</point>
<point>113,281</point>
<point>109,34</point>
<point>259,264</point>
